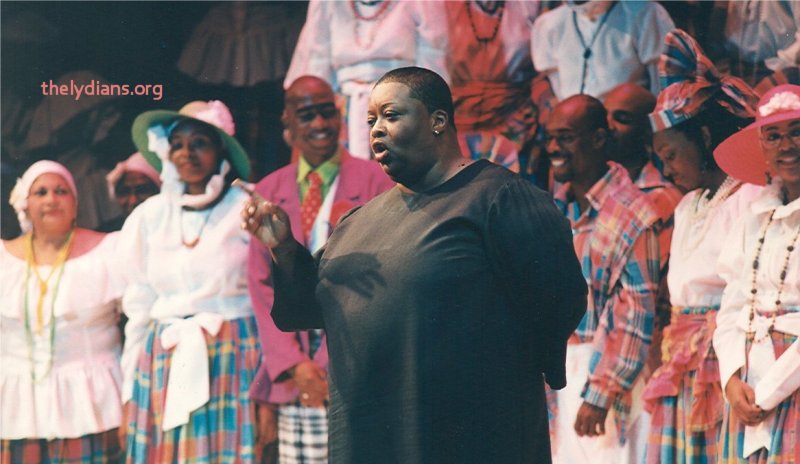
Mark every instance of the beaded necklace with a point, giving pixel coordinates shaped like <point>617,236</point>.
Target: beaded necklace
<point>31,268</point>
<point>498,8</point>
<point>754,289</point>
<point>702,208</point>
<point>193,243</point>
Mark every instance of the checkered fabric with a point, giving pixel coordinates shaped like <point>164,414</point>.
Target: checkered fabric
<point>302,434</point>
<point>98,448</point>
<point>785,446</point>
<point>689,80</point>
<point>222,430</point>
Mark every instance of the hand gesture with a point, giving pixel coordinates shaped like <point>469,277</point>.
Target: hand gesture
<point>265,220</point>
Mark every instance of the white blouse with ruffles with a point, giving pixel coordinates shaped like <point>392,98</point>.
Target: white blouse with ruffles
<point>81,394</point>
<point>696,244</point>
<point>167,280</point>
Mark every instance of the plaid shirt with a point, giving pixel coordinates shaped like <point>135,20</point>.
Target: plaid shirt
<point>616,242</point>
<point>665,196</point>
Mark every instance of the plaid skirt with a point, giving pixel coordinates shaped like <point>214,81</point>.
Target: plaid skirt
<point>302,434</point>
<point>786,427</point>
<point>671,440</point>
<point>98,448</point>
<point>222,430</point>
<point>684,395</point>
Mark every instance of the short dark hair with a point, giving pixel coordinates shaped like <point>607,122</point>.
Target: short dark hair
<point>426,86</point>
<point>595,114</point>
<point>721,124</point>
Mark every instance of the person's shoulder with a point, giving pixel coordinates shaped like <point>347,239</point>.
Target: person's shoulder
<point>495,180</point>
<point>15,247</point>
<point>491,172</point>
<point>277,178</point>
<point>624,198</point>
<point>151,211</point>
<point>551,21</point>
<point>638,10</point>
<point>739,203</point>
<point>87,240</point>
<point>557,14</point>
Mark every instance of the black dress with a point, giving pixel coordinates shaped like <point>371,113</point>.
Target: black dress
<point>444,312</point>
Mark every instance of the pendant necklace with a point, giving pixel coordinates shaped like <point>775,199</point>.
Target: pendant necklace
<point>58,266</point>
<point>193,243</point>
<point>31,268</point>
<point>496,8</point>
<point>587,49</point>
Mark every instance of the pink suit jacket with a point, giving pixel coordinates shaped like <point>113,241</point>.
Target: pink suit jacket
<point>359,182</point>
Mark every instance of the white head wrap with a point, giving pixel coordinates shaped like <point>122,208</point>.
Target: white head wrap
<point>19,194</point>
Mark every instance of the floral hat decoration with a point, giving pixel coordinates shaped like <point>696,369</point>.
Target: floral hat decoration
<point>151,130</point>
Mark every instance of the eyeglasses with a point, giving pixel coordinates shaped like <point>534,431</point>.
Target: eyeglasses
<point>773,139</point>
<point>308,113</point>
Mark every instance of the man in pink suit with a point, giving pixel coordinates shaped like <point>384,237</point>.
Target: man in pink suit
<point>315,191</point>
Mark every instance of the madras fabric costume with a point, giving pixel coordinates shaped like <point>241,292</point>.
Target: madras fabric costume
<point>494,112</point>
<point>770,364</point>
<point>784,429</point>
<point>615,240</point>
<point>759,319</point>
<point>684,394</point>
<point>99,448</point>
<point>60,373</point>
<point>192,347</point>
<point>233,357</point>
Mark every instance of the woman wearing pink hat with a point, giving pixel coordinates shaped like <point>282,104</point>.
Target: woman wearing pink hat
<point>759,320</point>
<point>130,183</point>
<point>59,343</point>
<point>696,111</point>
<point>191,348</point>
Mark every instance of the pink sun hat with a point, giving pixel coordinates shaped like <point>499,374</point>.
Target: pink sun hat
<point>740,155</point>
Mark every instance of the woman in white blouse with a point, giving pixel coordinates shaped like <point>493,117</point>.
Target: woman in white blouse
<point>59,343</point>
<point>693,115</point>
<point>759,321</point>
<point>191,347</point>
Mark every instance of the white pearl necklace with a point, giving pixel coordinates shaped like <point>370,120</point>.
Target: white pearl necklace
<point>703,208</point>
